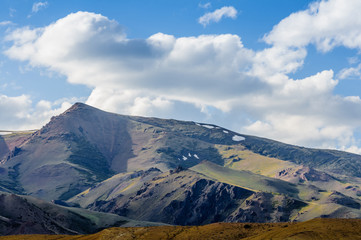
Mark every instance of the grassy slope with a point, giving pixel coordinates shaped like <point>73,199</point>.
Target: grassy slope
<point>246,179</point>
<point>326,160</point>
<point>319,203</point>
<point>120,184</point>
<point>317,229</point>
<point>314,229</point>
<point>238,158</point>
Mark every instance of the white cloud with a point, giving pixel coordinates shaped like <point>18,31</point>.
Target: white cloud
<point>352,149</point>
<point>352,72</point>
<point>207,78</point>
<point>90,49</point>
<point>327,24</point>
<point>5,23</point>
<point>22,115</point>
<point>217,15</point>
<point>302,129</point>
<point>355,99</point>
<point>205,5</point>
<point>353,60</point>
<point>38,6</point>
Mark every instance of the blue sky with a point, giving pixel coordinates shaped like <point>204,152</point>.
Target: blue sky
<point>286,70</point>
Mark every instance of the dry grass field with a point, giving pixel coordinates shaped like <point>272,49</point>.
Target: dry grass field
<point>314,229</point>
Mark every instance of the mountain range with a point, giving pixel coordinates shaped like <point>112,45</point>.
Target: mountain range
<point>163,170</point>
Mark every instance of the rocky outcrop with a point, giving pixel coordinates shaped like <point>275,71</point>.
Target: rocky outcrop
<point>205,202</point>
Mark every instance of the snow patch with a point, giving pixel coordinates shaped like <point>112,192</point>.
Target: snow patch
<point>237,138</point>
<point>225,131</point>
<point>5,133</point>
<point>189,155</point>
<point>207,126</point>
<point>196,156</point>
<point>184,158</point>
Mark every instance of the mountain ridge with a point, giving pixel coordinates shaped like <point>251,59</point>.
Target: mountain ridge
<point>100,160</point>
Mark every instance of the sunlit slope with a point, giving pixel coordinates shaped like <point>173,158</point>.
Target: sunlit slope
<point>121,184</point>
<point>237,157</point>
<point>327,160</point>
<point>247,179</point>
<point>320,229</point>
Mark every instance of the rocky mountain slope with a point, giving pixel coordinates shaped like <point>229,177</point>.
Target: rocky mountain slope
<point>178,172</point>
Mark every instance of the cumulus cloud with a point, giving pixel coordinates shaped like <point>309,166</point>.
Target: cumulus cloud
<point>212,78</point>
<point>22,115</point>
<point>352,72</point>
<point>217,15</point>
<point>38,6</point>
<point>326,24</point>
<point>93,50</point>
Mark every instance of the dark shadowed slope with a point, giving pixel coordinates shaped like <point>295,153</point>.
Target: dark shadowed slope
<point>27,215</point>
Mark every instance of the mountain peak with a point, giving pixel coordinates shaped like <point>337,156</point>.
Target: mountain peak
<point>79,106</point>
<point>69,119</point>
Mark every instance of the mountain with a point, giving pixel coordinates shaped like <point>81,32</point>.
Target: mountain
<point>177,172</point>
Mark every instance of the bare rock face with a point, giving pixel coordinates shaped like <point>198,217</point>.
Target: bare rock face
<point>205,202</point>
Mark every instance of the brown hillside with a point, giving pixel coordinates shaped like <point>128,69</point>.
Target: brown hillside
<point>319,229</point>
<point>314,229</point>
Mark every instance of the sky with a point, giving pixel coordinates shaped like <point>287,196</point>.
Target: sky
<point>280,69</point>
